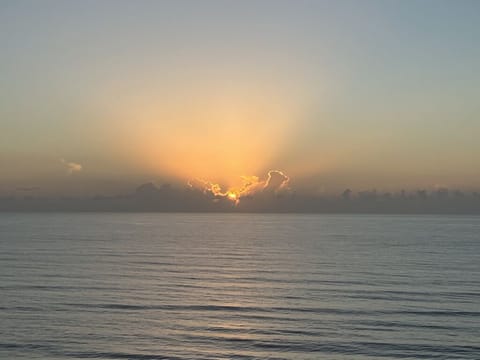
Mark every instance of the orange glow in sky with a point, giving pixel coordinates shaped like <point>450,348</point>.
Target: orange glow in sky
<point>216,138</point>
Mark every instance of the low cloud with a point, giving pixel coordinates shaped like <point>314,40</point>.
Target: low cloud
<point>272,194</point>
<point>71,167</point>
<point>27,188</point>
<point>275,182</point>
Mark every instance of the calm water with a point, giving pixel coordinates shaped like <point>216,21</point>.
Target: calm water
<point>185,286</point>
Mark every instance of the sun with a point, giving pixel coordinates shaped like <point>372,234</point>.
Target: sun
<point>232,196</point>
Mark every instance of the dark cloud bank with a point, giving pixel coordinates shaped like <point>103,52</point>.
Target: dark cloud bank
<point>150,198</point>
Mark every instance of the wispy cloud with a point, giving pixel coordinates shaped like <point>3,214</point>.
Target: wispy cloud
<point>27,188</point>
<point>71,167</point>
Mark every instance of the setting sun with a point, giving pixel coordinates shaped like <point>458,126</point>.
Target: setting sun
<point>239,179</point>
<point>232,196</point>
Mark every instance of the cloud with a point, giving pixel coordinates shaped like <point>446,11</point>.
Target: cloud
<point>71,167</point>
<point>27,188</point>
<point>276,181</point>
<point>251,186</point>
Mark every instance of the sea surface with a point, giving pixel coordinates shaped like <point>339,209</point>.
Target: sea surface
<point>239,286</point>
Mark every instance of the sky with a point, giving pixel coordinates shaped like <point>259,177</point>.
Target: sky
<point>97,97</point>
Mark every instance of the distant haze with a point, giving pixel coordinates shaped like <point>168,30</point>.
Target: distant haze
<point>99,97</point>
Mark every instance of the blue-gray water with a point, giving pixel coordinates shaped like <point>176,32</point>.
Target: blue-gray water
<point>190,286</point>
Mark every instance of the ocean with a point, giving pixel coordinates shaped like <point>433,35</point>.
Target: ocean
<point>239,286</point>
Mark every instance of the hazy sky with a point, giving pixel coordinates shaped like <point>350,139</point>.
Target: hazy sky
<point>99,96</point>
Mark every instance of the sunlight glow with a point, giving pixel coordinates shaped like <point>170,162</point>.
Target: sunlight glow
<point>213,133</point>
<point>232,196</point>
